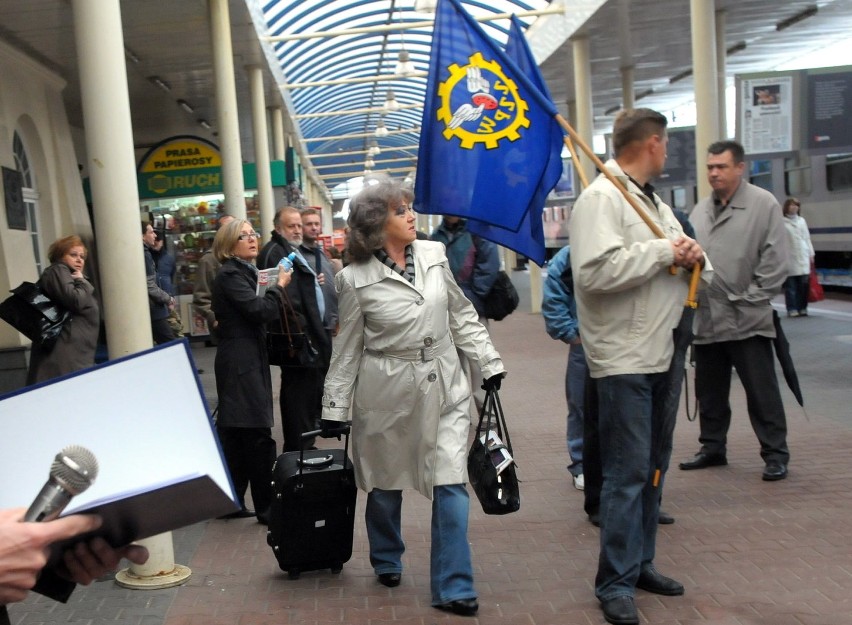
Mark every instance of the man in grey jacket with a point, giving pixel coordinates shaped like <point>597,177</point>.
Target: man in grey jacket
<point>741,228</point>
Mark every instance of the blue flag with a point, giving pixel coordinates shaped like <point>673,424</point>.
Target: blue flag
<point>529,239</point>
<point>486,136</point>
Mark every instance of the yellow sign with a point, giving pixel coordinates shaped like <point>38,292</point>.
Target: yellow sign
<point>184,153</point>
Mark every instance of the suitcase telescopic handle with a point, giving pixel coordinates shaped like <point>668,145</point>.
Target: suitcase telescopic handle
<point>343,429</point>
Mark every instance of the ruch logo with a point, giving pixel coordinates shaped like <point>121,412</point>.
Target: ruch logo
<point>480,104</point>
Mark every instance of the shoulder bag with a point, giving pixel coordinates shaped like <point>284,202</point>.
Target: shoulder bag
<point>502,299</point>
<point>490,463</point>
<point>32,313</point>
<point>286,348</point>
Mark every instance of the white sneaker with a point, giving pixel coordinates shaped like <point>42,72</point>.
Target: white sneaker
<point>579,482</point>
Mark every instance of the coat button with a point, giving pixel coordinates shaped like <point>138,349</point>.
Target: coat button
<point>432,377</point>
<point>419,301</point>
<point>428,341</point>
<point>331,404</point>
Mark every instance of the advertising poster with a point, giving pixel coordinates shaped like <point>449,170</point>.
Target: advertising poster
<point>766,114</point>
<point>829,108</point>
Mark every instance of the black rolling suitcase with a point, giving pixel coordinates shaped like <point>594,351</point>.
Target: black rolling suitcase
<point>312,516</point>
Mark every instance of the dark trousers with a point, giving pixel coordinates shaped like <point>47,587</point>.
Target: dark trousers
<point>161,331</point>
<point>755,365</point>
<point>796,293</point>
<point>301,403</point>
<point>250,454</point>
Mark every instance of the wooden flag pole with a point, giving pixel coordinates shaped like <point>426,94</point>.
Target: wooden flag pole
<point>570,145</point>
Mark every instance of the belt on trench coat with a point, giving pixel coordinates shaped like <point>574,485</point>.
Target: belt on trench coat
<point>431,348</point>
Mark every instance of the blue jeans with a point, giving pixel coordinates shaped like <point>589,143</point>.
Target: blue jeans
<point>575,381</point>
<point>629,418</point>
<point>451,567</point>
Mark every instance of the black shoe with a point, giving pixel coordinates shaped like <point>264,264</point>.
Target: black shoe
<point>703,460</point>
<point>263,518</point>
<point>242,513</point>
<point>391,580</point>
<point>620,611</point>
<point>595,518</point>
<point>665,518</point>
<point>462,607</point>
<point>651,580</point>
<point>775,470</point>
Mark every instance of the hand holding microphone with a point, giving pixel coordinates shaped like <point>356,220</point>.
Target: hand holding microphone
<point>24,547</point>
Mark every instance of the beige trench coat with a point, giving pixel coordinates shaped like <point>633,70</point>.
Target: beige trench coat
<point>394,362</point>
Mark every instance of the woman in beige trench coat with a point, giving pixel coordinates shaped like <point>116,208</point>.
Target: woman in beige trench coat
<point>394,363</point>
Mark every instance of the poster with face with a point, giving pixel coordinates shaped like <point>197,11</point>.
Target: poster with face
<point>766,114</point>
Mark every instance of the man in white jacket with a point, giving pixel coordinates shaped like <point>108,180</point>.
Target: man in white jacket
<point>628,303</point>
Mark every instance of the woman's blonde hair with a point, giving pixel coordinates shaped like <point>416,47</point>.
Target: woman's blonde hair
<point>227,238</point>
<point>61,247</point>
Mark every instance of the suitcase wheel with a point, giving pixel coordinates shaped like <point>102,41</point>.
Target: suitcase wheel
<point>336,568</point>
<point>293,574</point>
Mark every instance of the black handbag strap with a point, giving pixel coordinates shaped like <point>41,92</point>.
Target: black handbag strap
<point>490,406</point>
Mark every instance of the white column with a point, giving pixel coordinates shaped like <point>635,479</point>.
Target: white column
<point>583,98</point>
<point>703,22</point>
<point>226,108</point>
<point>721,68</point>
<point>278,142</point>
<point>111,164</point>
<point>261,151</point>
<point>628,100</point>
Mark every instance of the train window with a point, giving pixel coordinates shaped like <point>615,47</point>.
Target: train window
<point>838,172</point>
<point>797,175</point>
<point>760,174</point>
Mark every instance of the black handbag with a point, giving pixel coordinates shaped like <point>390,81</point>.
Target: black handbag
<point>34,314</point>
<point>290,349</point>
<point>502,299</point>
<point>497,492</point>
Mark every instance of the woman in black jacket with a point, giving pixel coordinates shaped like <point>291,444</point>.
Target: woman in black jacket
<point>243,381</point>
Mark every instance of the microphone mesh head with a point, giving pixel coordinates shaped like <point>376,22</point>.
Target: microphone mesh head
<point>74,467</point>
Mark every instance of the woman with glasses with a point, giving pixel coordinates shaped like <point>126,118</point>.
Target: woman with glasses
<point>394,363</point>
<point>64,283</point>
<point>243,382</point>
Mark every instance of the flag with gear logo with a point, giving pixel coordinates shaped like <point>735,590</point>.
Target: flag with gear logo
<point>488,133</point>
<point>529,239</point>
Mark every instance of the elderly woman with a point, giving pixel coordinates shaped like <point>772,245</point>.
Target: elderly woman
<point>243,381</point>
<point>394,362</point>
<point>64,283</point>
<point>800,255</point>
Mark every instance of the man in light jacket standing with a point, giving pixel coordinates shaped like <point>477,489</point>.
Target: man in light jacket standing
<point>741,228</point>
<point>628,304</point>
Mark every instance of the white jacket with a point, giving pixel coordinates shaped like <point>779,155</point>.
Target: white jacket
<point>800,250</point>
<point>627,301</point>
<point>394,363</point>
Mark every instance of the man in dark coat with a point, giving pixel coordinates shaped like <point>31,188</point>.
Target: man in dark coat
<point>301,387</point>
<point>160,303</point>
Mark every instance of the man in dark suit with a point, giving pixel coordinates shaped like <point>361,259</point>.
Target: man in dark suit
<point>301,387</point>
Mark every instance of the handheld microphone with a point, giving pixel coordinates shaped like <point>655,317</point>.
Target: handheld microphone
<point>73,471</point>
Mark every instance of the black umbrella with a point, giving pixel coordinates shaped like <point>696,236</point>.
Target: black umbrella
<point>782,353</point>
<point>682,336</point>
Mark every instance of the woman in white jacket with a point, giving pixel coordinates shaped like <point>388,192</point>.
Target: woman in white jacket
<point>394,362</point>
<point>800,255</point>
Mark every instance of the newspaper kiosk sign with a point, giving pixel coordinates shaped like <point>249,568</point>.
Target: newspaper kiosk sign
<point>183,165</point>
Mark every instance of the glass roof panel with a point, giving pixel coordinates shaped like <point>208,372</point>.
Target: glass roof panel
<point>355,108</point>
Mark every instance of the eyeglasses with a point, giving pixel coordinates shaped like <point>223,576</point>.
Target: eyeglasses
<point>399,211</point>
<point>248,235</point>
